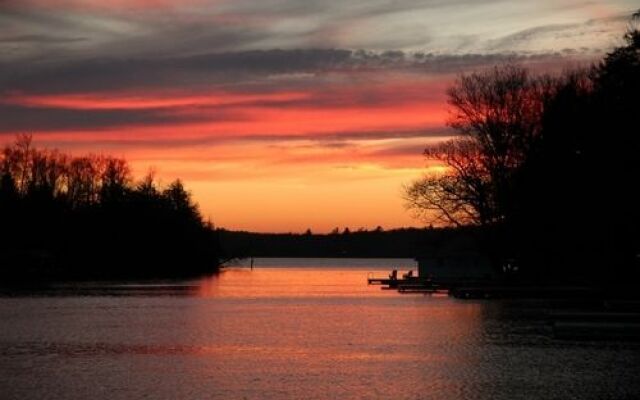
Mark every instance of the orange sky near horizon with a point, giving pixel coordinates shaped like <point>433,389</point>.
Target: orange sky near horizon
<point>279,115</point>
<point>309,176</point>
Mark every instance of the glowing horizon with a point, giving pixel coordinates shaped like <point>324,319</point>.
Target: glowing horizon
<point>279,116</point>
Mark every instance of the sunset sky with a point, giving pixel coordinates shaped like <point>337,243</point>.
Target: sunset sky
<point>279,115</point>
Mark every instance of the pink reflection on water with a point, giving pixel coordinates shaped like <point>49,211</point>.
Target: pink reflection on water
<point>325,333</point>
<point>292,332</point>
<point>289,282</point>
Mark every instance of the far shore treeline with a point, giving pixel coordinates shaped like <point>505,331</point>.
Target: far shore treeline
<point>361,243</point>
<point>84,217</point>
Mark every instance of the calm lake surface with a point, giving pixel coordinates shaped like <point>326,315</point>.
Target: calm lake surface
<point>295,329</point>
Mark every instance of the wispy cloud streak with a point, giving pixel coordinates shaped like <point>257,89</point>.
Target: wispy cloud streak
<point>304,100</point>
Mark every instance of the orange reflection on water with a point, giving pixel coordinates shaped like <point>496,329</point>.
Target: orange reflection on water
<point>330,335</point>
<point>288,332</point>
<point>288,282</point>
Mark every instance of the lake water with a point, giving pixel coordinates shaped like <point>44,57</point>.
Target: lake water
<point>295,329</point>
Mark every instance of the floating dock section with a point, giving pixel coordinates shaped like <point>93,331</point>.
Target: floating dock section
<point>406,284</point>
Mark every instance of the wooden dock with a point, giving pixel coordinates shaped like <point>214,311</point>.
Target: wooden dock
<point>411,284</point>
<point>422,288</point>
<point>378,281</point>
<point>393,282</point>
<point>384,281</point>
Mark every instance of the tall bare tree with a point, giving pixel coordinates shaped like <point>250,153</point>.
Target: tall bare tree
<point>497,115</point>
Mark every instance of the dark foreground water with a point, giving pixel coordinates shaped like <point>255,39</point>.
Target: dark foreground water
<point>295,329</point>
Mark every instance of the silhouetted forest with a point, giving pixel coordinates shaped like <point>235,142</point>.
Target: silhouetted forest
<point>544,173</point>
<point>67,217</point>
<point>396,243</point>
<point>547,167</point>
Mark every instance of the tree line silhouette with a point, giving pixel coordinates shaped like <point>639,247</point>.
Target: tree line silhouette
<point>394,243</point>
<point>547,167</point>
<point>84,217</point>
